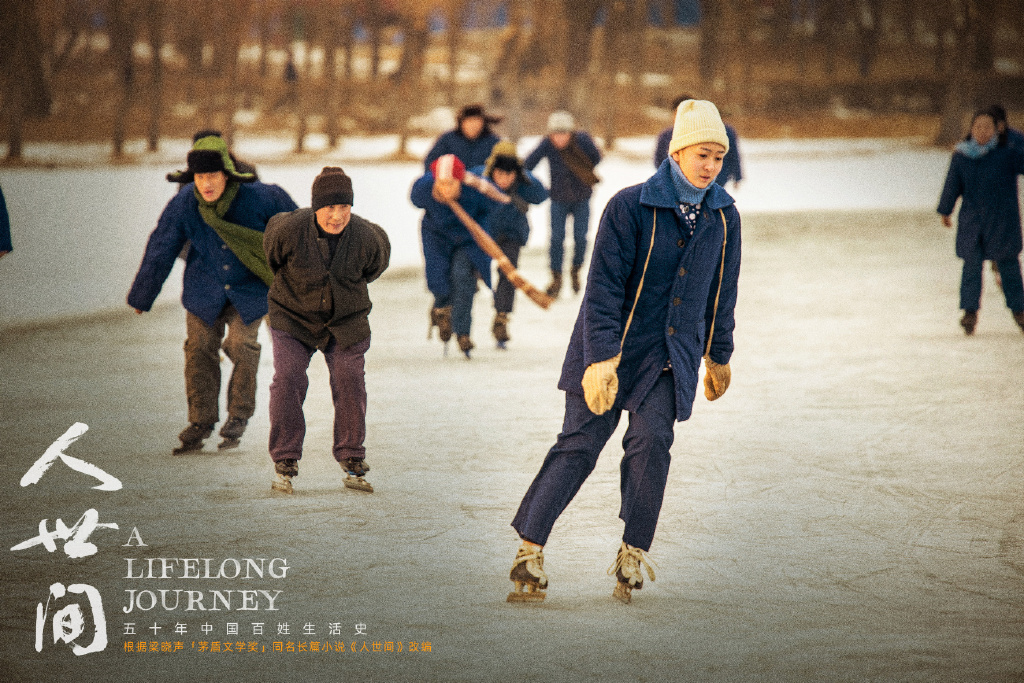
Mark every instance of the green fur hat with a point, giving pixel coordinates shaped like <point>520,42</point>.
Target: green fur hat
<point>209,154</point>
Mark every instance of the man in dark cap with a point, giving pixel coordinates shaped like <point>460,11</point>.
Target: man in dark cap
<point>222,213</point>
<point>471,140</point>
<point>322,258</point>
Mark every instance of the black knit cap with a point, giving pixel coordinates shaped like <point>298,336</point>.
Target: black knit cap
<point>332,186</point>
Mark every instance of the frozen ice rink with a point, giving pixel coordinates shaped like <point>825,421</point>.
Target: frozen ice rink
<point>852,509</point>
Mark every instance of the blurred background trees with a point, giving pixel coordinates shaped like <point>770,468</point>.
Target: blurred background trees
<point>147,69</point>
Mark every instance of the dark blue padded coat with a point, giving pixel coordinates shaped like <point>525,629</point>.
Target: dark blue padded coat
<point>677,301</point>
<point>505,220</point>
<point>213,274</point>
<point>989,210</point>
<point>565,185</point>
<point>442,233</point>
<point>470,152</point>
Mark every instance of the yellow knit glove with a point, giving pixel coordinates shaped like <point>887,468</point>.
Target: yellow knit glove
<point>716,380</point>
<point>601,384</point>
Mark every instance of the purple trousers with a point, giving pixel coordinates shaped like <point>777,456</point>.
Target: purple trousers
<point>288,392</point>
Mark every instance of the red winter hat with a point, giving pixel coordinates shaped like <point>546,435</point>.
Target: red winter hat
<point>447,167</point>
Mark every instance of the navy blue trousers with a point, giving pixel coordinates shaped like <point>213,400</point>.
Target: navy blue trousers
<point>644,467</point>
<point>970,282</point>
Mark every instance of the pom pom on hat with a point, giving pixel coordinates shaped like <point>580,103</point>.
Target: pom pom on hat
<point>332,187</point>
<point>561,122</point>
<point>448,167</point>
<point>697,121</point>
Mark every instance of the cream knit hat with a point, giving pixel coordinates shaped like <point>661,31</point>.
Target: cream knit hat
<point>697,121</point>
<point>561,122</point>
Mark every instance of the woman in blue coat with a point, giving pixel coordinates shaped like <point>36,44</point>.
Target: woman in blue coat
<point>471,140</point>
<point>983,175</point>
<point>660,296</point>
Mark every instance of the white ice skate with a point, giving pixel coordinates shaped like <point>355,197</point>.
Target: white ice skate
<point>285,470</point>
<point>282,483</point>
<point>356,468</point>
<point>628,569</point>
<point>528,575</point>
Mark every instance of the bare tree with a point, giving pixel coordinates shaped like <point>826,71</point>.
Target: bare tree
<point>25,87</point>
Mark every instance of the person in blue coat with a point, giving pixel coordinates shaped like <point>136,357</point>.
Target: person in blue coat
<point>222,213</point>
<point>5,227</point>
<point>572,156</point>
<point>508,223</point>
<point>453,260</point>
<point>660,296</point>
<point>732,168</point>
<point>983,176</point>
<point>471,140</point>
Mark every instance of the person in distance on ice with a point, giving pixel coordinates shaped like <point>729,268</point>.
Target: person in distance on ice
<point>453,259</point>
<point>983,175</point>
<point>732,168</point>
<point>660,296</point>
<point>322,258</point>
<point>471,140</point>
<point>222,213</point>
<point>572,156</point>
<point>510,226</point>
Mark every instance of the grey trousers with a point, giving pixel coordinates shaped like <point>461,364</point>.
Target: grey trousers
<point>202,365</point>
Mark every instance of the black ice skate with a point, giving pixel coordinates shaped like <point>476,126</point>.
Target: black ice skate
<point>500,329</point>
<point>356,468</point>
<point>285,469</point>
<point>969,321</point>
<point>574,277</point>
<point>528,575</point>
<point>556,285</point>
<point>628,569</point>
<point>441,318</point>
<point>231,433</point>
<point>192,438</point>
<point>465,345</point>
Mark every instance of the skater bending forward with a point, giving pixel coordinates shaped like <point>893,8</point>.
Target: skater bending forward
<point>322,258</point>
<point>660,296</point>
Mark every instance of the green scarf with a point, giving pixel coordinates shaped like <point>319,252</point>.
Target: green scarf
<point>246,243</point>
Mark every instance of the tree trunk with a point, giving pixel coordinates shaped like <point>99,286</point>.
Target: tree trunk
<point>122,38</point>
<point>155,17</point>
<point>709,51</point>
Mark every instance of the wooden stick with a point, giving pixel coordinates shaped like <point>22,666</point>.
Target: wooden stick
<point>491,248</point>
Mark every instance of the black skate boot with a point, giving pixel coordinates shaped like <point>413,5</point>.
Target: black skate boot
<point>441,318</point>
<point>1018,317</point>
<point>628,569</point>
<point>574,278</point>
<point>356,468</point>
<point>285,469</point>
<point>465,345</point>
<point>556,285</point>
<point>528,575</point>
<point>969,322</point>
<point>192,438</point>
<point>500,329</point>
<point>232,432</point>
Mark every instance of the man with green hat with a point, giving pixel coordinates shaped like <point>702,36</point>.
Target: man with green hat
<point>222,213</point>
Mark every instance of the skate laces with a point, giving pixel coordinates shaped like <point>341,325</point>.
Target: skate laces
<point>631,560</point>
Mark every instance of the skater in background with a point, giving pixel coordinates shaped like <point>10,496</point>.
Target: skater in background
<point>732,169</point>
<point>509,224</point>
<point>572,156</point>
<point>660,295</point>
<point>5,227</point>
<point>983,175</point>
<point>453,259</point>
<point>322,258</point>
<point>222,213</point>
<point>471,140</point>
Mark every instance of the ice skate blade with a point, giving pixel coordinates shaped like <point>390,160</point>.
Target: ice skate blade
<point>526,592</point>
<point>188,448</point>
<point>503,345</point>
<point>623,593</point>
<point>358,484</point>
<point>281,486</point>
<point>228,443</point>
